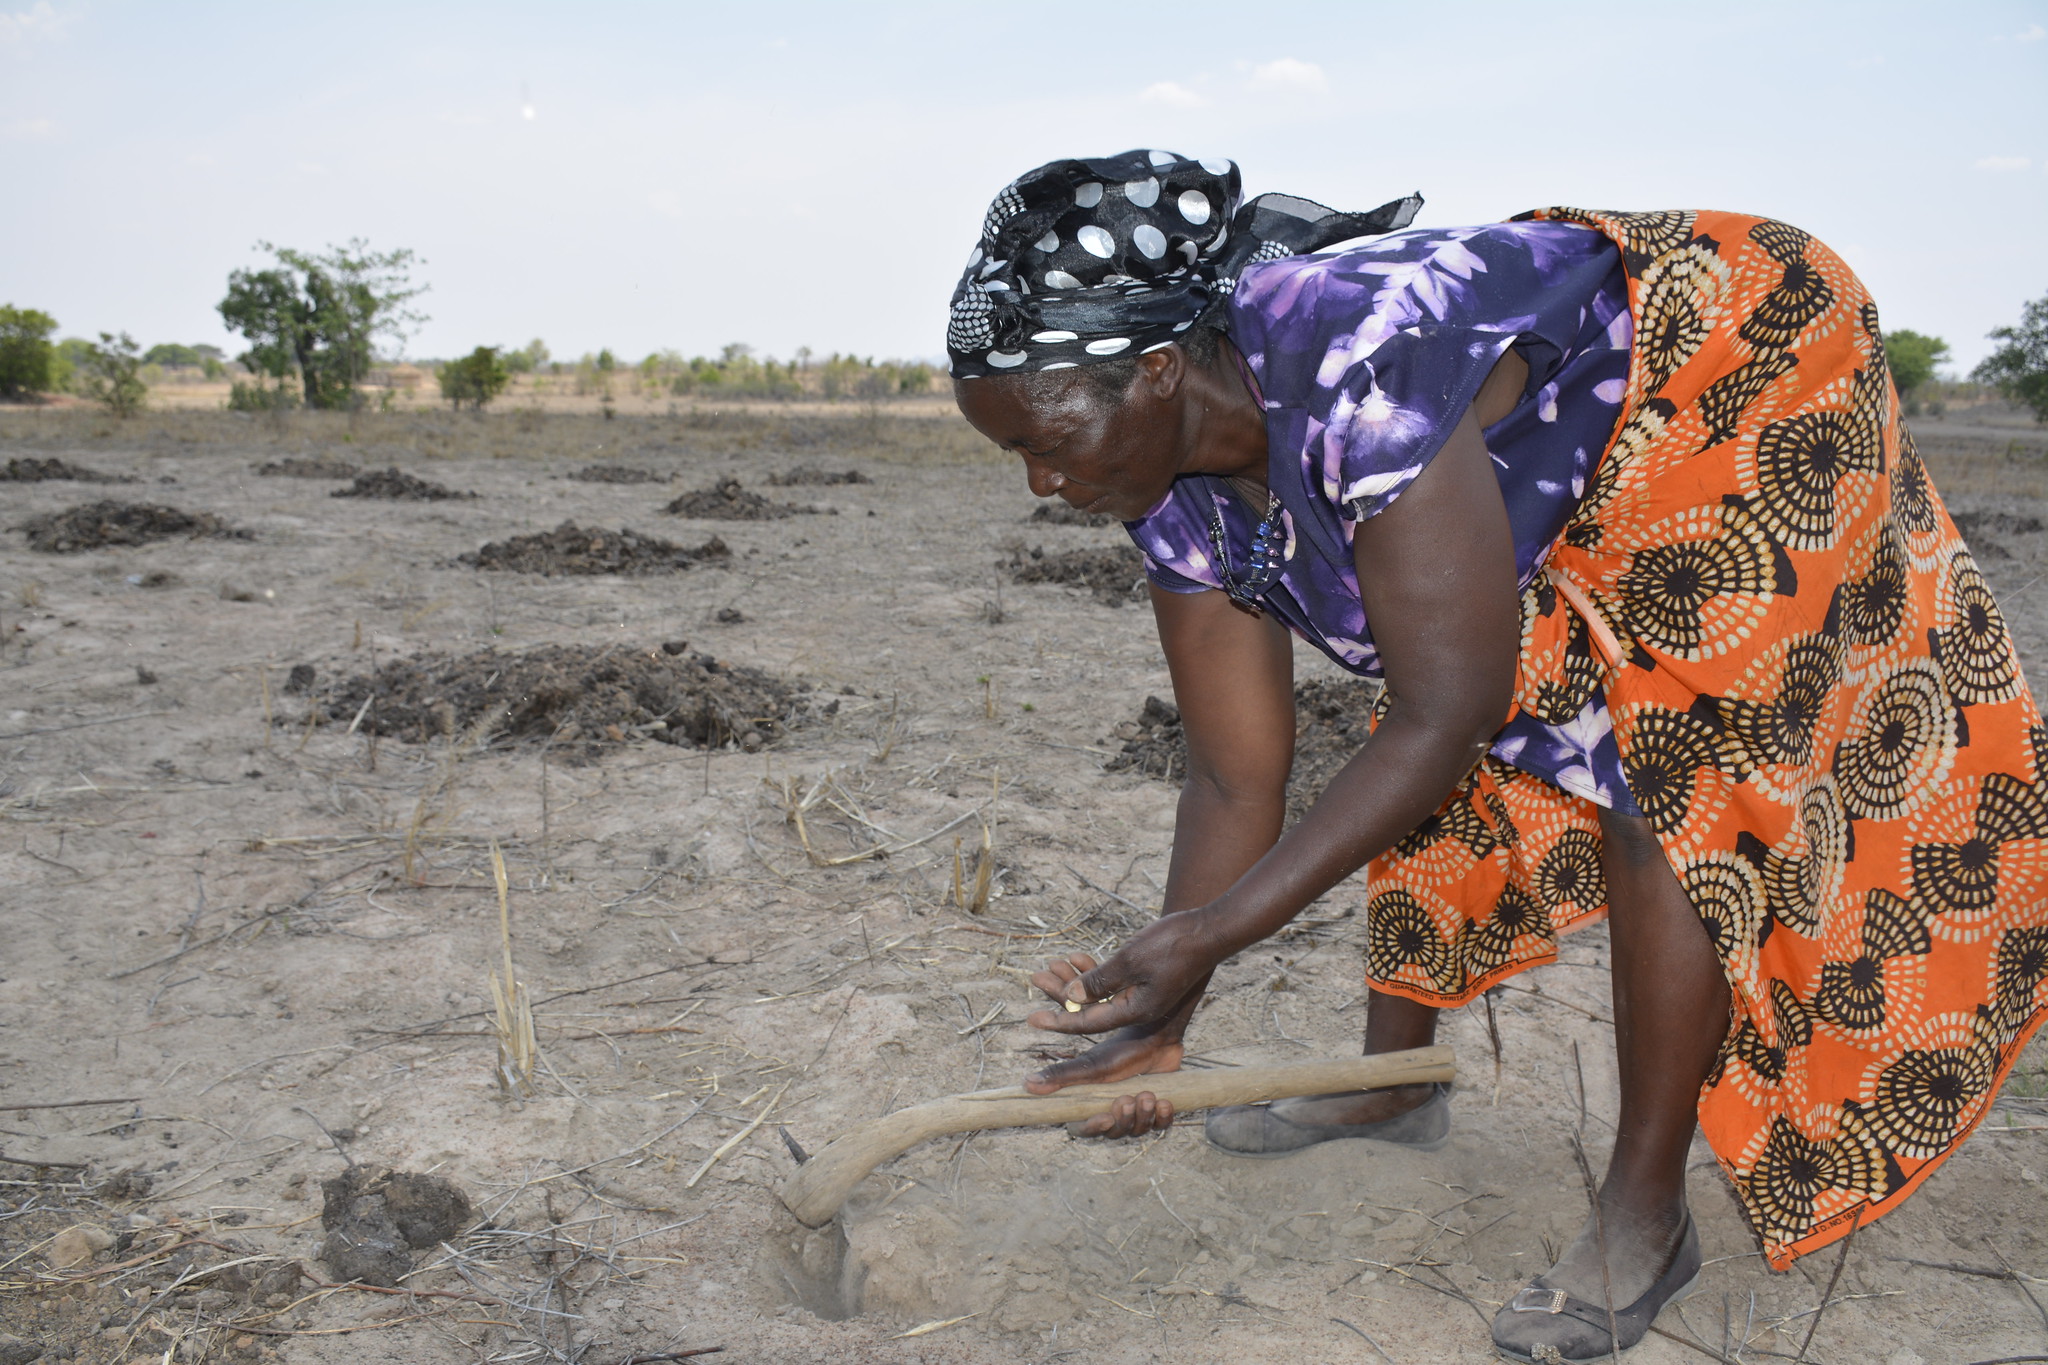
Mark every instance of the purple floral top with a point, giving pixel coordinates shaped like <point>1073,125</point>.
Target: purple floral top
<point>1366,359</point>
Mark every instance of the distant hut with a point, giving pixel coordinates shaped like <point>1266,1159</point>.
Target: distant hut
<point>403,377</point>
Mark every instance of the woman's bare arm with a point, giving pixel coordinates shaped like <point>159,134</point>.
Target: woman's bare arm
<point>1233,679</point>
<point>1437,574</point>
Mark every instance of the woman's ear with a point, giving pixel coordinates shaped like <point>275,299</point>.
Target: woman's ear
<point>1162,372</point>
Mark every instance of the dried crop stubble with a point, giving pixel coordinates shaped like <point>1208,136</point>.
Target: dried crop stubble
<point>570,550</point>
<point>101,525</point>
<point>395,485</point>
<point>571,695</point>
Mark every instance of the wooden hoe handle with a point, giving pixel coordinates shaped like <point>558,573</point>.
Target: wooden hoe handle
<point>814,1194</point>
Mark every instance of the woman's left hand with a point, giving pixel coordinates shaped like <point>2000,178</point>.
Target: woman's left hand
<point>1142,981</point>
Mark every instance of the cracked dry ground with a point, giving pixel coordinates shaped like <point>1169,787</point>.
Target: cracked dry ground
<point>246,933</point>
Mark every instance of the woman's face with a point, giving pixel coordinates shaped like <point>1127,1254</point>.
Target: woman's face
<point>1094,452</point>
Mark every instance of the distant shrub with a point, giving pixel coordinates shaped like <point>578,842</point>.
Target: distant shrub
<point>2019,368</point>
<point>112,375</point>
<point>738,371</point>
<point>475,379</point>
<point>256,396</point>
<point>172,355</point>
<point>25,352</point>
<point>175,356</point>
<point>67,362</point>
<point>527,358</point>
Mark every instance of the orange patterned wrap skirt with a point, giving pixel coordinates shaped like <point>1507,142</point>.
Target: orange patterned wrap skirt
<point>1819,710</point>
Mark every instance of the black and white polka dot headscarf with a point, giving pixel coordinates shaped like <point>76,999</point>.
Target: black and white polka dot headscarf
<point>1085,261</point>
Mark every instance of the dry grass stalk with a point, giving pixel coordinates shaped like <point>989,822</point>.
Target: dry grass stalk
<point>547,845</point>
<point>513,1020</point>
<point>976,901</point>
<point>737,1138</point>
<point>828,790</point>
<point>890,732</point>
<point>433,810</point>
<point>984,862</point>
<point>1827,1295</point>
<point>263,678</point>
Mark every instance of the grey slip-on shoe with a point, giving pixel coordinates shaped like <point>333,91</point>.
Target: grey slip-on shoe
<point>1256,1130</point>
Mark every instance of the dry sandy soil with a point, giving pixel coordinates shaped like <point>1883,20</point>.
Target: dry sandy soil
<point>231,922</point>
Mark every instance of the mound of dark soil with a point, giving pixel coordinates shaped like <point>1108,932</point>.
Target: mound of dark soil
<point>1983,530</point>
<point>614,473</point>
<point>375,1218</point>
<point>570,549</point>
<point>98,525</point>
<point>805,476</point>
<point>299,467</point>
<point>395,485</point>
<point>32,470</point>
<point>1056,513</point>
<point>573,694</point>
<point>1332,717</point>
<point>727,501</point>
<point>1115,574</point>
<point>1331,720</point>
<point>1154,743</point>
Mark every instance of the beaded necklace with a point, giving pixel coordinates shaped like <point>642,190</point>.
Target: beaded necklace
<point>1269,538</point>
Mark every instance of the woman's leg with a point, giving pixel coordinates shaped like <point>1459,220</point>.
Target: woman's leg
<point>1670,1017</point>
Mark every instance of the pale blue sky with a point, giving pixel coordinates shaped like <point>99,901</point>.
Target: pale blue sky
<point>646,176</point>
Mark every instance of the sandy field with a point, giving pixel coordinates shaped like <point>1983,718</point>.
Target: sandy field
<point>249,934</point>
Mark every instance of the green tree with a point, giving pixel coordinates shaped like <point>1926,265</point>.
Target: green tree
<point>527,358</point>
<point>2019,367</point>
<point>25,352</point>
<point>1913,358</point>
<point>606,361</point>
<point>111,374</point>
<point>67,361</point>
<point>173,354</point>
<point>475,379</point>
<point>319,317</point>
